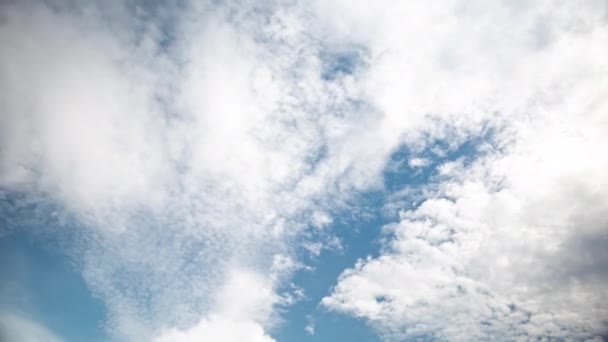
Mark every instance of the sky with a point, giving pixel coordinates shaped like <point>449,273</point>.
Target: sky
<point>323,170</point>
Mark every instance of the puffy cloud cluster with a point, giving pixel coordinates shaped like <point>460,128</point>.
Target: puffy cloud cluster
<point>512,245</point>
<point>507,242</point>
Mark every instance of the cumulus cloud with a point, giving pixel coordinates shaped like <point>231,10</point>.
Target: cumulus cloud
<point>219,329</point>
<point>504,245</point>
<point>243,305</point>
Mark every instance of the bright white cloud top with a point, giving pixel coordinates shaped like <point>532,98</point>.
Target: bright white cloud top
<point>189,154</point>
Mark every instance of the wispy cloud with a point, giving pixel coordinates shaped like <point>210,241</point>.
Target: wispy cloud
<point>175,152</point>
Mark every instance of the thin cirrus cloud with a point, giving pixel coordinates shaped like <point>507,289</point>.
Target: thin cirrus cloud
<point>188,148</point>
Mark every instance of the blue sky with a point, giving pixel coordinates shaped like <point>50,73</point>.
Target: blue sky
<point>303,171</point>
<point>51,290</point>
<point>40,282</point>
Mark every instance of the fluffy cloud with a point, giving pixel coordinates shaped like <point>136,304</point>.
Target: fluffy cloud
<point>219,329</point>
<point>243,306</point>
<point>168,147</point>
<point>507,244</point>
<point>481,261</point>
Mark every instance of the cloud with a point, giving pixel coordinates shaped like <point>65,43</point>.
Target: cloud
<point>418,162</point>
<point>16,328</point>
<point>506,247</point>
<point>155,156</point>
<point>186,150</point>
<point>310,329</point>
<point>219,329</point>
<point>499,250</point>
<point>500,246</point>
<point>168,148</point>
<point>243,306</point>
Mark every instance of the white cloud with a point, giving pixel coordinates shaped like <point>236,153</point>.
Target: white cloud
<point>162,157</point>
<point>16,328</point>
<point>418,162</point>
<point>310,329</point>
<point>192,149</point>
<point>219,329</point>
<point>243,305</point>
<point>173,164</point>
<point>508,245</point>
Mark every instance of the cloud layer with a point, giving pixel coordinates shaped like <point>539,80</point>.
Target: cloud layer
<point>181,151</point>
<point>169,146</point>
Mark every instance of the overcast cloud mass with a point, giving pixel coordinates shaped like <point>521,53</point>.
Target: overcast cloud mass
<point>187,162</point>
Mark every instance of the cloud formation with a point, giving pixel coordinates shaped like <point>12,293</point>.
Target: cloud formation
<point>181,151</point>
<point>168,146</point>
<point>503,242</point>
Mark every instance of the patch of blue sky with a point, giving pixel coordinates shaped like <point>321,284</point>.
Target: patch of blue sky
<point>360,229</point>
<point>359,234</point>
<point>341,61</point>
<point>401,173</point>
<point>41,283</point>
<point>39,280</point>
